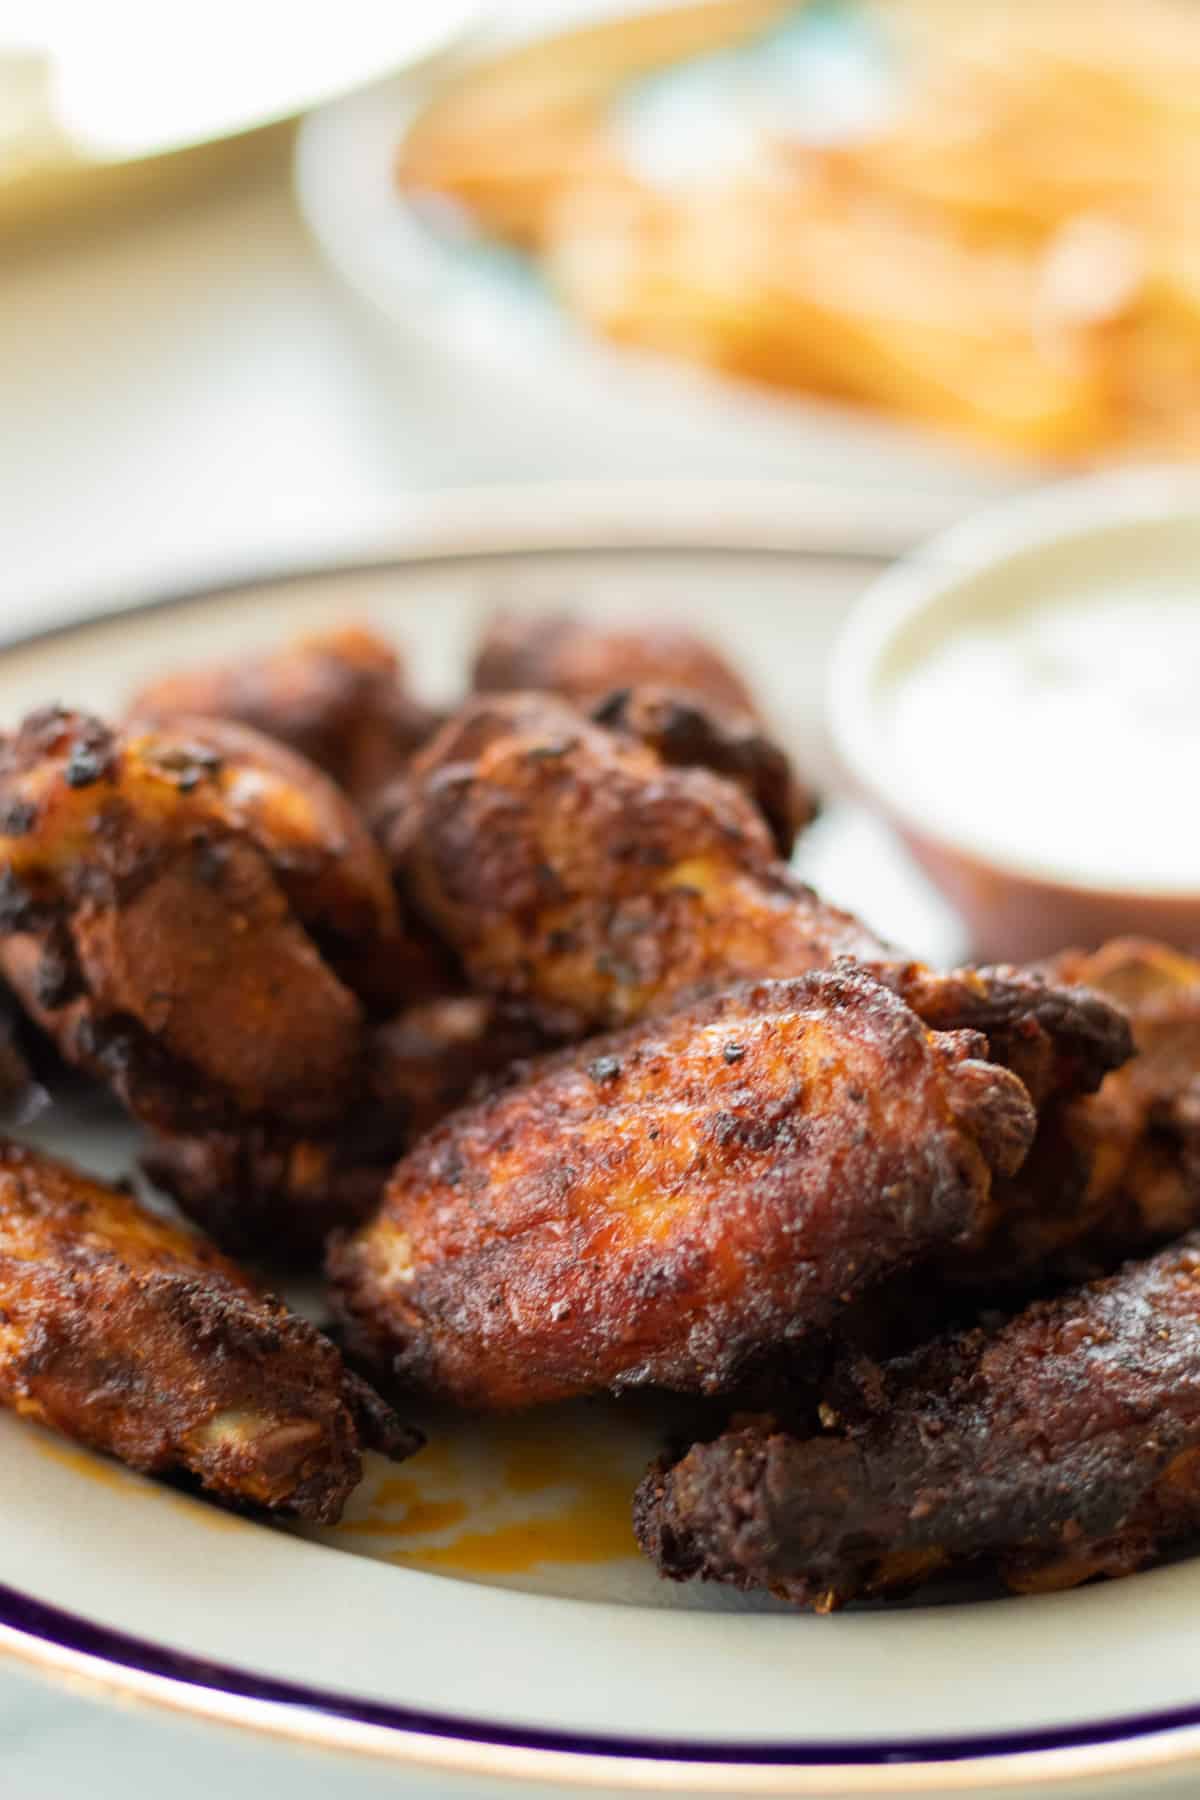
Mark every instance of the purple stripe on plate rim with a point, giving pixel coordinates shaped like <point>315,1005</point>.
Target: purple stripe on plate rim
<point>34,1620</point>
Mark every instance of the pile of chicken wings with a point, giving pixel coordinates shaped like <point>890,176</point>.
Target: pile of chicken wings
<point>516,1022</point>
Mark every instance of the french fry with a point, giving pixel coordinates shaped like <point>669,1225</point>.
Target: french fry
<point>1012,257</point>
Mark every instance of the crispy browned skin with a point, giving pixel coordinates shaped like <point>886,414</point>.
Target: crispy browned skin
<point>1064,1446</point>
<point>275,1195</point>
<point>197,915</point>
<point>690,733</point>
<point>133,1336</point>
<point>664,685</point>
<point>664,1205</point>
<point>1116,1172</point>
<point>576,873</point>
<point>583,661</point>
<point>339,698</point>
<point>1060,1038</point>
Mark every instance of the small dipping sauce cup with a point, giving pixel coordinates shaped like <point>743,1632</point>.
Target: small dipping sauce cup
<point>1021,699</point>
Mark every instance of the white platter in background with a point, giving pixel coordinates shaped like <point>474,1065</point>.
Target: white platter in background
<point>565,399</point>
<point>578,1670</point>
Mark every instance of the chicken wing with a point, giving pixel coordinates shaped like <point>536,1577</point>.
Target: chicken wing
<point>1114,1173</point>
<point>688,733</point>
<point>136,1338</point>
<point>276,1195</point>
<point>339,698</point>
<point>196,915</point>
<point>664,685</point>
<point>665,1205</point>
<point>557,653</point>
<point>577,875</point>
<point>574,872</point>
<point>1063,1446</point>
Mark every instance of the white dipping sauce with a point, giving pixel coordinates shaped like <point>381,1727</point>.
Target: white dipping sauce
<point>1063,738</point>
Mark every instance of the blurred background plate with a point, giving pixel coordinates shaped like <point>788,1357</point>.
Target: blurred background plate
<point>432,296</point>
<point>127,96</point>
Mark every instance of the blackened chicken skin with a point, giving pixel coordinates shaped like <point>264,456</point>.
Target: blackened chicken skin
<point>665,1205</point>
<point>1113,1173</point>
<point>664,685</point>
<point>1064,1446</point>
<point>690,733</point>
<point>133,1336</point>
<point>339,698</point>
<point>576,874</point>
<point>196,915</point>
<point>269,1194</point>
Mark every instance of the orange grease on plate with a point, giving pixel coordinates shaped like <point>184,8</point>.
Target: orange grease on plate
<point>417,1514</point>
<point>595,1529</point>
<point>571,1514</point>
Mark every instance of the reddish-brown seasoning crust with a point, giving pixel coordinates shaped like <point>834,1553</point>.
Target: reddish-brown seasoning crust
<point>197,916</point>
<point>665,1205</point>
<point>136,1338</point>
<point>338,697</point>
<point>1064,1446</point>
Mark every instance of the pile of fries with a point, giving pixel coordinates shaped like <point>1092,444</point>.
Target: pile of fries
<point>1013,255</point>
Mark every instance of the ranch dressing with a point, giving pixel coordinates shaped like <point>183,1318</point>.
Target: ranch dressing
<point>1063,739</point>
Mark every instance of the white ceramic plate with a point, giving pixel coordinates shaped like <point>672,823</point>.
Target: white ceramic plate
<point>481,1611</point>
<point>601,411</point>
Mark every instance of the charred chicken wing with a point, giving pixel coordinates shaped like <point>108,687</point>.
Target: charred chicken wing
<point>575,872</point>
<point>339,698</point>
<point>665,1205</point>
<point>1115,1172</point>
<point>138,1339</point>
<point>195,914</point>
<point>1063,1446</point>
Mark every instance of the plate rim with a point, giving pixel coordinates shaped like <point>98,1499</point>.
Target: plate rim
<point>459,527</point>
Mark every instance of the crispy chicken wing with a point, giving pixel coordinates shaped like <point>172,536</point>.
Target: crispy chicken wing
<point>1063,1446</point>
<point>664,1205</point>
<point>272,1194</point>
<point>134,1337</point>
<point>578,875</point>
<point>575,872</point>
<point>1115,1172</point>
<point>661,684</point>
<point>339,698</point>
<point>689,733</point>
<point>196,915</point>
